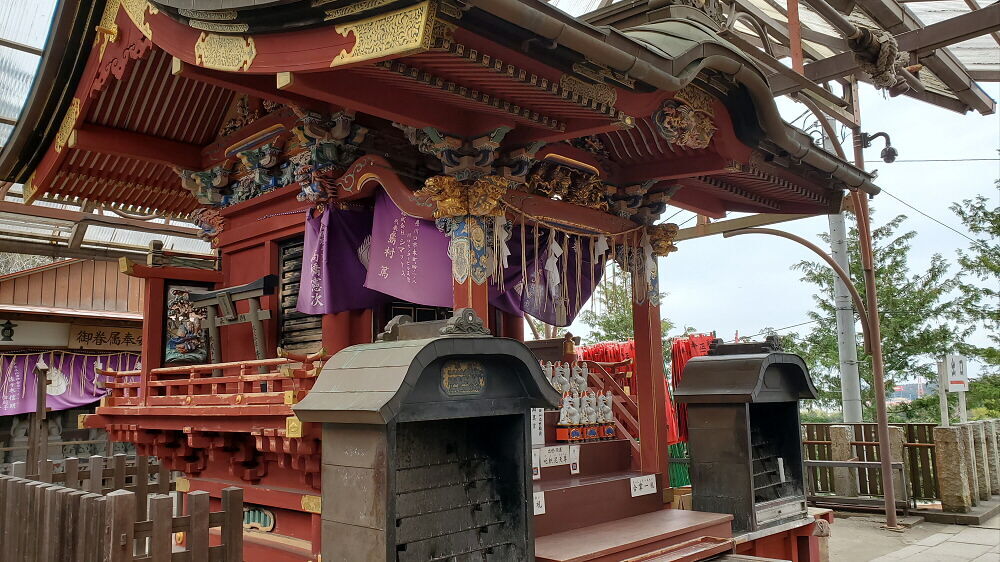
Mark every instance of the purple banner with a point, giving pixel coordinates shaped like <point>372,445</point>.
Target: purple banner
<point>334,263</point>
<point>71,375</point>
<point>409,257</point>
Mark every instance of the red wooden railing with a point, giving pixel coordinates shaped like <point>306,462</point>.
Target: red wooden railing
<point>235,383</point>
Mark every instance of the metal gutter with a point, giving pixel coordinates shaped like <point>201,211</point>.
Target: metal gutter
<point>637,58</point>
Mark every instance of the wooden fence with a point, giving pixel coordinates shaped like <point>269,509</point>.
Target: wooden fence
<point>98,516</point>
<point>918,456</point>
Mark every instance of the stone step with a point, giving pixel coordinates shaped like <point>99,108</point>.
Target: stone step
<point>663,535</point>
<point>580,501</point>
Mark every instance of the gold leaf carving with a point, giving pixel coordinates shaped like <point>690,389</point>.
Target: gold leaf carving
<point>355,8</point>
<point>208,14</point>
<point>224,52</point>
<point>401,32</point>
<point>455,199</point>
<point>601,93</point>
<point>312,504</point>
<point>68,124</point>
<point>107,29</point>
<point>688,119</point>
<point>661,238</point>
<point>219,26</point>
<point>136,10</point>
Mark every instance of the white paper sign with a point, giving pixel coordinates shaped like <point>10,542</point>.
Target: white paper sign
<point>643,485</point>
<point>536,464</point>
<point>555,456</point>
<point>574,459</point>
<point>537,426</point>
<point>956,373</point>
<point>539,501</point>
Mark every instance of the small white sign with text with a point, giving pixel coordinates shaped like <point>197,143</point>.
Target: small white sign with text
<point>539,501</point>
<point>536,464</point>
<point>643,485</point>
<point>555,456</point>
<point>574,459</point>
<point>537,426</point>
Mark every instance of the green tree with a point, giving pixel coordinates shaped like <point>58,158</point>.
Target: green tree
<point>610,317</point>
<point>982,400</point>
<point>979,280</point>
<point>918,312</point>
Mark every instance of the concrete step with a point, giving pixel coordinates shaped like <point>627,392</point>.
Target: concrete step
<point>663,535</point>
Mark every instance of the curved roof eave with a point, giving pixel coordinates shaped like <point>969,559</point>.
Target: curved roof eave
<point>63,61</point>
<point>637,53</point>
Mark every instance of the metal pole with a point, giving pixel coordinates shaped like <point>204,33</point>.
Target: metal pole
<point>875,332</point>
<point>943,396</point>
<point>847,337</point>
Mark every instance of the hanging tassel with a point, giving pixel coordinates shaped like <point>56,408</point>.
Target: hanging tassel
<point>578,240</point>
<point>524,257</point>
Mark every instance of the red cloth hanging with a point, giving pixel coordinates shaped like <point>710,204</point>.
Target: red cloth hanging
<point>683,349</point>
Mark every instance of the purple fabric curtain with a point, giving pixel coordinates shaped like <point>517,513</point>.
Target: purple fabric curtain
<point>409,257</point>
<point>334,259</point>
<point>72,375</point>
<point>532,297</point>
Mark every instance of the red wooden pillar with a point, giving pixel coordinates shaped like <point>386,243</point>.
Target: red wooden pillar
<point>154,312</point>
<point>475,296</point>
<point>649,377</point>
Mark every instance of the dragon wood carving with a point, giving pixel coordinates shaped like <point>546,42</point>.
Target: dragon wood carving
<point>687,120</point>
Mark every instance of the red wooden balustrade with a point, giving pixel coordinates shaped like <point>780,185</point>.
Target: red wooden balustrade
<point>236,384</point>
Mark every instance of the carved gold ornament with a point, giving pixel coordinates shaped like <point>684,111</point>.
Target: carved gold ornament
<point>137,10</point>
<point>600,92</point>
<point>354,8</point>
<point>312,504</point>
<point>687,120</point>
<point>400,32</point>
<point>452,198</point>
<point>107,29</point>
<point>661,238</point>
<point>224,52</point>
<point>221,27</point>
<point>569,184</point>
<point>68,124</point>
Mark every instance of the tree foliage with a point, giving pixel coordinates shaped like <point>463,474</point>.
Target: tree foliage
<point>918,315</point>
<point>979,281</point>
<point>610,316</point>
<point>982,401</point>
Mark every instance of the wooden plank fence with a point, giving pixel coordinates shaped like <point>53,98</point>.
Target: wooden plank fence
<point>918,457</point>
<point>98,516</point>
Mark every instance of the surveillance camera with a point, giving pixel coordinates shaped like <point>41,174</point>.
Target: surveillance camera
<point>889,154</point>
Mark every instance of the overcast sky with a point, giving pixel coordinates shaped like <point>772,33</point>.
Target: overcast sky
<point>745,283</point>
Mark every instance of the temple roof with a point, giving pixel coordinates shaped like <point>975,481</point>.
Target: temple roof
<point>117,121</point>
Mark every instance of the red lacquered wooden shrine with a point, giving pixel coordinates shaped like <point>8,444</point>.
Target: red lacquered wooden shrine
<point>246,117</point>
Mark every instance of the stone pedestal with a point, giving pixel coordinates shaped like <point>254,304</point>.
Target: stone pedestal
<point>952,473</point>
<point>897,440</point>
<point>845,480</point>
<point>993,453</point>
<point>969,457</point>
<point>982,460</point>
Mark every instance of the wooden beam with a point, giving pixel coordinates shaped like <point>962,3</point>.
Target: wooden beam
<point>61,251</point>
<point>75,217</point>
<point>257,85</point>
<point>20,47</point>
<point>985,75</point>
<point>935,36</point>
<point>712,228</point>
<point>703,165</point>
<point>119,142</point>
<point>362,94</point>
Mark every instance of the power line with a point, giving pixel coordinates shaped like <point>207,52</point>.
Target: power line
<point>962,234</point>
<point>950,160</point>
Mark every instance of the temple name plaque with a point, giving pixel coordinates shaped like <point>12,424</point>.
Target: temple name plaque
<point>461,377</point>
